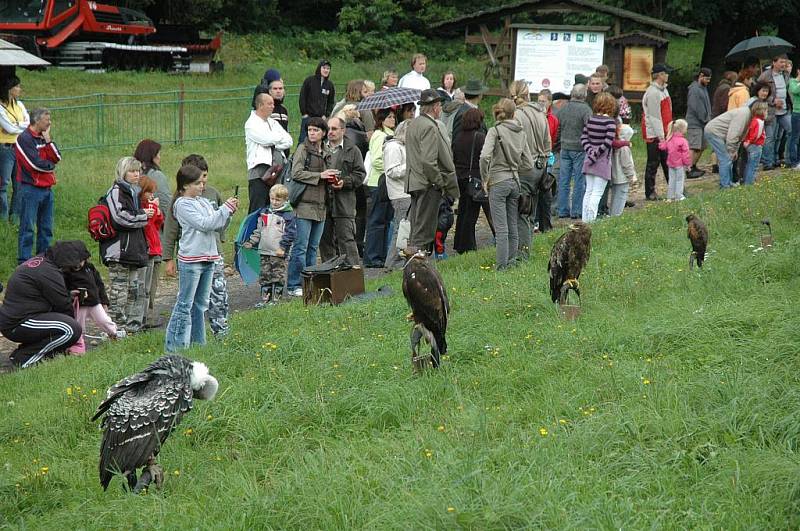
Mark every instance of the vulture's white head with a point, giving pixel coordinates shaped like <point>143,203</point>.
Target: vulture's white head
<point>203,384</point>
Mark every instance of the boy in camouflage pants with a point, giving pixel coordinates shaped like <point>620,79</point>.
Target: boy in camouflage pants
<point>273,237</point>
<point>218,308</point>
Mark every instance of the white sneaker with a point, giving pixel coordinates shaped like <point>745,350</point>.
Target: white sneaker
<point>296,292</point>
<point>796,167</point>
<point>121,334</point>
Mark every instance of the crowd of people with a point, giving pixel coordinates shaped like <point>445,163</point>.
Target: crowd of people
<point>369,185</point>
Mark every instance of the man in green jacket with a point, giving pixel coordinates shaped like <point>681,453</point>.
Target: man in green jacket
<point>431,173</point>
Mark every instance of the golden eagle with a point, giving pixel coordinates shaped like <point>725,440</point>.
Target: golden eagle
<point>140,413</point>
<point>425,292</point>
<point>567,259</point>
<point>698,235</point>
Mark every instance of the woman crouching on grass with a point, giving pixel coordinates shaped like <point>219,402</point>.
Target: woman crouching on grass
<point>197,252</point>
<point>598,135</point>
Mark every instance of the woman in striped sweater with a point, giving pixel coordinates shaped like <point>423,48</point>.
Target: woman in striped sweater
<point>598,135</point>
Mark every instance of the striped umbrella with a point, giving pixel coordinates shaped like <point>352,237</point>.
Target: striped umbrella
<point>389,98</point>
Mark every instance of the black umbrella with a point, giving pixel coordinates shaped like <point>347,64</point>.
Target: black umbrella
<point>760,47</point>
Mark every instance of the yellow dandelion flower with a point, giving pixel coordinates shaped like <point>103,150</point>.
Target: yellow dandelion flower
<point>176,472</point>
<point>440,428</point>
<point>451,509</point>
<point>69,391</point>
<point>209,417</point>
<point>646,381</point>
<point>94,391</point>
<point>188,431</point>
<point>428,453</point>
<point>45,470</point>
<point>543,432</point>
<point>562,421</point>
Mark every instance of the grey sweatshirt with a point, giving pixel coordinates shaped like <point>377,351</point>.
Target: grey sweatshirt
<point>731,127</point>
<point>495,167</point>
<point>571,119</point>
<point>199,223</point>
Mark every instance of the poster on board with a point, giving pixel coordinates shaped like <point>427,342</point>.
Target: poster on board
<point>550,58</point>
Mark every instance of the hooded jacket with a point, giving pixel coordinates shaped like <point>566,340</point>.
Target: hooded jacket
<point>276,229</point>
<point>622,168</point>
<point>317,95</point>
<point>495,166</point>
<point>533,119</point>
<point>129,246</point>
<point>36,159</point>
<point>37,286</point>
<point>738,96</point>
<point>88,278</point>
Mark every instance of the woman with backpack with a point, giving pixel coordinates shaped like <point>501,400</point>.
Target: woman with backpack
<point>504,156</point>
<point>197,253</point>
<point>126,252</point>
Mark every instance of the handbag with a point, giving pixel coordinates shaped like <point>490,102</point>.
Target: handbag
<point>276,170</point>
<point>475,184</point>
<point>296,188</point>
<point>403,231</point>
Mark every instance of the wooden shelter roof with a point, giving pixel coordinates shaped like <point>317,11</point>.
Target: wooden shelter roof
<point>496,13</point>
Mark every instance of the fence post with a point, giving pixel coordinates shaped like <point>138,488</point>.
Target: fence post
<point>181,114</point>
<point>100,121</point>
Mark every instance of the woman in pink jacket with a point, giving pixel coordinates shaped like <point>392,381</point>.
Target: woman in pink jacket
<point>679,158</point>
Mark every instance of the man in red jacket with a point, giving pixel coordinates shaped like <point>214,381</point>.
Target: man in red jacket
<point>656,116</point>
<point>37,157</point>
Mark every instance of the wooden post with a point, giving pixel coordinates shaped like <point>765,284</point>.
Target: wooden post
<point>181,111</point>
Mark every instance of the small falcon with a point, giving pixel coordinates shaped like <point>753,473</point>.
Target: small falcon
<point>698,235</point>
<point>140,413</point>
<point>425,292</point>
<point>567,259</point>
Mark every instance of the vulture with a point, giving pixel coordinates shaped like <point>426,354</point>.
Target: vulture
<point>698,235</point>
<point>425,293</point>
<point>140,413</point>
<point>567,259</point>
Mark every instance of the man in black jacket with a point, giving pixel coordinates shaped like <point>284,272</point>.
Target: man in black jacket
<point>37,310</point>
<point>317,97</point>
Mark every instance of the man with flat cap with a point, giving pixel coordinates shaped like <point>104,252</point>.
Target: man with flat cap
<point>656,117</point>
<point>430,173</point>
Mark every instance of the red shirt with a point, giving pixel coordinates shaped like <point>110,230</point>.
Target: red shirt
<point>756,133</point>
<point>552,124</point>
<point>152,231</point>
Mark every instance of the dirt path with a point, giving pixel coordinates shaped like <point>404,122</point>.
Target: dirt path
<point>244,298</point>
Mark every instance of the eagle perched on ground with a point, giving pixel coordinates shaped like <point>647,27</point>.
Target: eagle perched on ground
<point>425,292</point>
<point>698,235</point>
<point>140,413</point>
<point>567,259</point>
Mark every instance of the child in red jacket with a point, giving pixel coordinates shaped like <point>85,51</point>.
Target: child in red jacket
<point>152,232</point>
<point>754,141</point>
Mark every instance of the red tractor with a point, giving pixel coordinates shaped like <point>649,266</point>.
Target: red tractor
<point>90,35</point>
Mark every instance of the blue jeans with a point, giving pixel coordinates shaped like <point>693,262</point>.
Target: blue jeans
<point>304,250</point>
<point>794,140</point>
<point>773,131</point>
<point>571,171</point>
<point>723,157</point>
<point>379,220</point>
<point>187,324</point>
<point>36,208</point>
<point>753,157</point>
<point>303,129</point>
<point>7,165</point>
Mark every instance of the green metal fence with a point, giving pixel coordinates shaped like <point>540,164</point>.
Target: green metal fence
<point>182,115</point>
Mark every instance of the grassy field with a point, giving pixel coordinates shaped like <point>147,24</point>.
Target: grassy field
<point>671,403</point>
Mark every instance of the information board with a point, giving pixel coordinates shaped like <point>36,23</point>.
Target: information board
<point>550,58</point>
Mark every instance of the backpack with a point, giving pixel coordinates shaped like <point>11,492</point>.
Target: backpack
<point>100,226</point>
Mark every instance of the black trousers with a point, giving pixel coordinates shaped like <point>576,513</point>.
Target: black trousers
<point>543,207</point>
<point>655,158</point>
<point>424,218</point>
<point>41,337</point>
<point>258,192</point>
<point>468,211</point>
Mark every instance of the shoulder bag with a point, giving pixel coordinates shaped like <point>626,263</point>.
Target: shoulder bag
<point>475,184</point>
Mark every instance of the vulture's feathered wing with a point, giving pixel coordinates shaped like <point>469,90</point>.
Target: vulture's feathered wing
<point>567,259</point>
<point>142,410</point>
<point>427,296</point>
<point>698,235</point>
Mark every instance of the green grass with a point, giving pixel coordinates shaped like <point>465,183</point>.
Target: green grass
<point>671,403</point>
